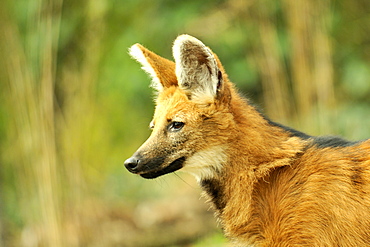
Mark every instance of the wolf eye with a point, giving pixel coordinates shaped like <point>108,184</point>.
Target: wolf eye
<point>175,126</point>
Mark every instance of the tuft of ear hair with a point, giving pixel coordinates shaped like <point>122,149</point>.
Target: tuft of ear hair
<point>161,70</point>
<point>196,69</point>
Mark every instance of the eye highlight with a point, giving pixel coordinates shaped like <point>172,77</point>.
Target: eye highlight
<point>175,126</point>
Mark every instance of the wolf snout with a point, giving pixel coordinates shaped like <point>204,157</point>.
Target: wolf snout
<point>132,164</point>
<point>149,167</point>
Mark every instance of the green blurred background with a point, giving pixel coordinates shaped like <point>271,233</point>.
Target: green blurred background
<point>74,106</point>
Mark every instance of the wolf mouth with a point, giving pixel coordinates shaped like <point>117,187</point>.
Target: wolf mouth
<point>174,166</point>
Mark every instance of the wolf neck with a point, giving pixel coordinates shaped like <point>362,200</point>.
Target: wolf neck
<point>255,149</point>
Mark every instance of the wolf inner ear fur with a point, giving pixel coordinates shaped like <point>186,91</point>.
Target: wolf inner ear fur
<point>161,70</point>
<point>196,69</point>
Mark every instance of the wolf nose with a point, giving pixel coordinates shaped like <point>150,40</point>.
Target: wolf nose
<point>131,164</point>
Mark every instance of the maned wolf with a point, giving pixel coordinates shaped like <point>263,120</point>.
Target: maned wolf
<point>270,185</point>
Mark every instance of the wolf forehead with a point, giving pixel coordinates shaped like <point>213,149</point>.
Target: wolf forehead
<point>174,104</point>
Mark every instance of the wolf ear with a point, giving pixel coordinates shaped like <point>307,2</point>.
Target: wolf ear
<point>161,70</point>
<point>196,69</point>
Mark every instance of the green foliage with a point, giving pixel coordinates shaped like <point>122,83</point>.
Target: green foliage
<point>215,240</point>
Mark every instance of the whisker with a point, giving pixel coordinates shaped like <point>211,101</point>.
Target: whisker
<point>184,180</point>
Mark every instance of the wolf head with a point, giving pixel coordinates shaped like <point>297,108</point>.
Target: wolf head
<point>192,112</point>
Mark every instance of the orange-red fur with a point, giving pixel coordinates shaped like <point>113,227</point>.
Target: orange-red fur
<point>269,186</point>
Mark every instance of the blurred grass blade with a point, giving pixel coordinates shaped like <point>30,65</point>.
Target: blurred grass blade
<point>31,77</point>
